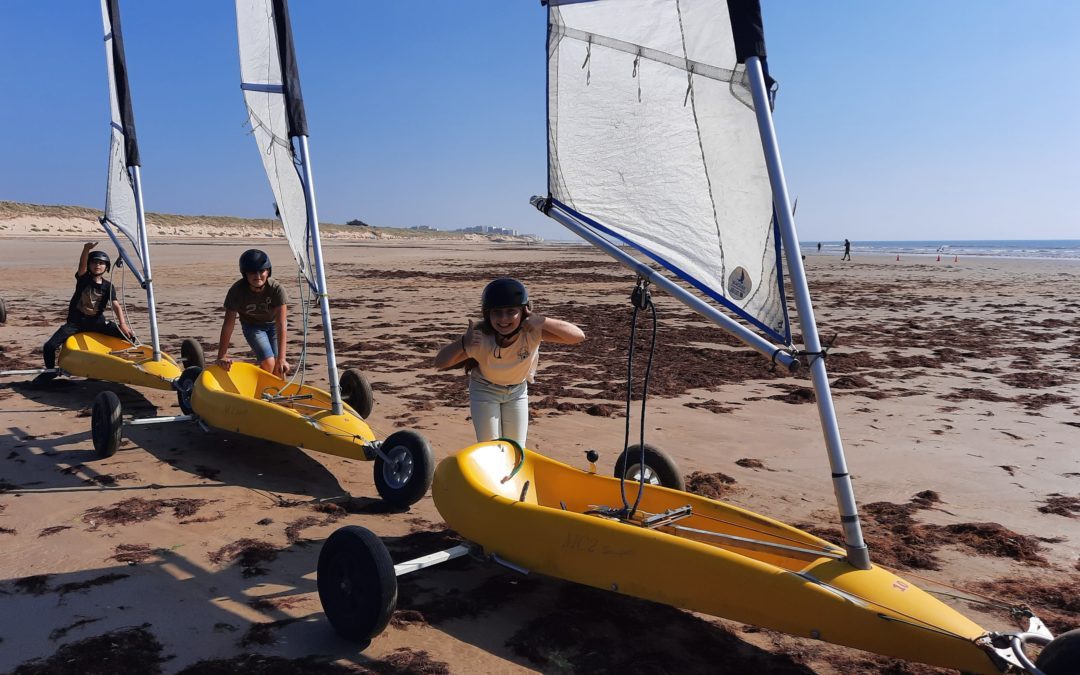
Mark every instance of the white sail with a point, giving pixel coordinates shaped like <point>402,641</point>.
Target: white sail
<point>124,213</point>
<point>264,93</point>
<point>653,140</point>
<point>120,209</point>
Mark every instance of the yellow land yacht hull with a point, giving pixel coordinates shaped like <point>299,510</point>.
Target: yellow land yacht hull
<point>103,357</point>
<point>721,560</point>
<point>248,400</point>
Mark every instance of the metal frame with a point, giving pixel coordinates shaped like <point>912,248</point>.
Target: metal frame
<point>320,276</point>
<point>857,552</point>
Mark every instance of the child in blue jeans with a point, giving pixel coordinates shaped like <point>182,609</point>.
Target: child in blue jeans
<point>260,303</point>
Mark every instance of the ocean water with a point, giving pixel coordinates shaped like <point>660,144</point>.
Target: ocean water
<point>1051,249</point>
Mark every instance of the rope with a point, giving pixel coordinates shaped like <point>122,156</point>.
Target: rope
<point>123,296</point>
<point>824,353</point>
<point>641,299</point>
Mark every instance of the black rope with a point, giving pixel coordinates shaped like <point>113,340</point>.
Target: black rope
<point>824,353</point>
<point>641,299</point>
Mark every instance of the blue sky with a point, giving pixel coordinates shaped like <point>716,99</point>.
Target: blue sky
<point>903,120</point>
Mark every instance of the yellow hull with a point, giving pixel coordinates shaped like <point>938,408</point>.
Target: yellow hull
<point>103,357</point>
<point>537,519</point>
<point>234,400</point>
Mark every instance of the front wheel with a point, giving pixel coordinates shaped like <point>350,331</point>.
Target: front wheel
<point>1062,655</point>
<point>658,468</point>
<point>356,391</point>
<point>357,584</point>
<point>404,477</point>
<point>106,423</point>
<point>185,384</point>
<point>191,354</point>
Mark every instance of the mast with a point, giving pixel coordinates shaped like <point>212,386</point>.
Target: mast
<point>320,277</point>
<point>123,124</point>
<point>857,553</point>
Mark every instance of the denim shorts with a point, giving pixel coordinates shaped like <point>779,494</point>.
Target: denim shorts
<point>262,338</point>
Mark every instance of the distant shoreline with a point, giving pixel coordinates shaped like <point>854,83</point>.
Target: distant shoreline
<point>19,219</point>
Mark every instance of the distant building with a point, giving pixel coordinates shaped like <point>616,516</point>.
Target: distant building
<point>488,229</point>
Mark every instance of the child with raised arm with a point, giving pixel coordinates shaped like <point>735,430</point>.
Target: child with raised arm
<point>505,348</point>
<point>86,309</point>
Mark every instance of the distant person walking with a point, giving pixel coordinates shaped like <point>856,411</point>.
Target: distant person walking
<point>819,247</point>
<point>847,250</point>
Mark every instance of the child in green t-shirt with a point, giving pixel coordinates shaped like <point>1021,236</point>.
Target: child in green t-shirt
<point>261,305</point>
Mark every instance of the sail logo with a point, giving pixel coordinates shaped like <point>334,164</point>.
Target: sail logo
<point>739,284</point>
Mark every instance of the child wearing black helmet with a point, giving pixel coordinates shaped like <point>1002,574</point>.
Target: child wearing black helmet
<point>86,309</point>
<point>503,352</point>
<point>260,303</point>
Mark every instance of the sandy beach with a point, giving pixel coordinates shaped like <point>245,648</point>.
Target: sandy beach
<point>196,552</point>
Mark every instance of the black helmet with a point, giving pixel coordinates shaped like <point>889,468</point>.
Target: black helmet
<point>505,293</point>
<point>99,255</point>
<point>254,260</point>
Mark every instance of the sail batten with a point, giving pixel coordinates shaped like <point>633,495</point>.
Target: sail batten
<point>653,140</point>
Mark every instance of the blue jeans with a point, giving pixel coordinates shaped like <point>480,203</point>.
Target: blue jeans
<point>499,411</point>
<point>262,338</point>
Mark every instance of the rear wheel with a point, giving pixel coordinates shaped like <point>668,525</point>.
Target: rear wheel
<point>1062,655</point>
<point>106,423</point>
<point>356,391</point>
<point>659,469</point>
<point>191,354</point>
<point>405,476</point>
<point>185,384</point>
<point>357,584</point>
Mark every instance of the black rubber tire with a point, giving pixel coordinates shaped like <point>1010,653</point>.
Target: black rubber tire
<point>191,354</point>
<point>660,469</point>
<point>1062,655</point>
<point>407,477</point>
<point>357,585</point>
<point>184,385</point>
<point>3,311</point>
<point>106,423</point>
<point>356,391</point>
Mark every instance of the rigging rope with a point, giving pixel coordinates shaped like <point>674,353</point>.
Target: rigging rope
<point>123,296</point>
<point>641,299</point>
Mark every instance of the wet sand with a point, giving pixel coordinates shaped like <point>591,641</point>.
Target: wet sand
<point>190,551</point>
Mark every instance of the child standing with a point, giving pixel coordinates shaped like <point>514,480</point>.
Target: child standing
<point>86,309</point>
<point>505,349</point>
<point>260,303</point>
